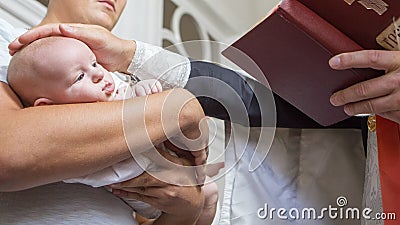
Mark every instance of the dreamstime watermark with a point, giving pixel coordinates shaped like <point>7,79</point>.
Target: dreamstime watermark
<point>338,212</point>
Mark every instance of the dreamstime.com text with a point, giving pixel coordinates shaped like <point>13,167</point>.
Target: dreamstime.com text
<point>338,212</point>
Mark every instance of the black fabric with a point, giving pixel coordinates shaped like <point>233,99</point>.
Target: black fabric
<point>287,116</point>
<point>219,89</point>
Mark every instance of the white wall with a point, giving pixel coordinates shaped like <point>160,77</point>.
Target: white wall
<point>240,15</point>
<point>226,20</point>
<point>141,20</point>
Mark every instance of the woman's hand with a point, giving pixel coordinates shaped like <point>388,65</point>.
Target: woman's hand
<point>113,53</point>
<point>179,204</point>
<point>380,95</point>
<point>183,203</point>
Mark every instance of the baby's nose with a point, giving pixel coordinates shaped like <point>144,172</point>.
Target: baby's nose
<point>98,76</point>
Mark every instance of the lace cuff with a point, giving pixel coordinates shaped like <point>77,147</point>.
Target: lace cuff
<point>153,62</point>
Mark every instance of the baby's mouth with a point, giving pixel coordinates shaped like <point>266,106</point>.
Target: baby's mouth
<point>108,88</point>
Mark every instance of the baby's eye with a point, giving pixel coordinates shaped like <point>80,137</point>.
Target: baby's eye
<point>94,64</point>
<point>80,77</point>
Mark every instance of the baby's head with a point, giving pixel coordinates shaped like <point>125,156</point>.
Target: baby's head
<point>58,70</point>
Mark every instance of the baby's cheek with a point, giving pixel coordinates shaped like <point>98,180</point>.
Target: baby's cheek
<point>91,96</point>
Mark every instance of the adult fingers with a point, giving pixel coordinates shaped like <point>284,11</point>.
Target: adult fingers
<point>112,52</point>
<point>369,89</point>
<point>376,59</point>
<point>377,105</point>
<point>144,180</point>
<point>169,202</point>
<point>92,35</point>
<point>163,150</point>
<point>148,191</point>
<point>165,193</point>
<point>33,35</point>
<point>198,157</point>
<point>134,195</point>
<point>180,152</point>
<point>184,168</point>
<point>201,175</point>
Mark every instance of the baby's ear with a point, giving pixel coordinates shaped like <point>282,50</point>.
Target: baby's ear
<point>43,101</point>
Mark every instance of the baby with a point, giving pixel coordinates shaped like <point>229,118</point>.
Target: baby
<point>59,70</point>
<point>62,70</point>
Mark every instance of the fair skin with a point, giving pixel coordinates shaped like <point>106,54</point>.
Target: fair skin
<point>122,52</point>
<point>79,144</point>
<point>102,13</point>
<point>381,95</point>
<point>71,75</point>
<point>150,194</point>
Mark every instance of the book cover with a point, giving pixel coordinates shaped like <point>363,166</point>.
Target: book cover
<point>362,20</point>
<point>292,47</point>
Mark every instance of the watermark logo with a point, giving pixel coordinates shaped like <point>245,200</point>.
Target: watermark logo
<point>341,201</point>
<point>338,212</point>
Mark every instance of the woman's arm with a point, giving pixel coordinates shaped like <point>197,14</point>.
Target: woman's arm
<point>40,145</point>
<point>116,54</point>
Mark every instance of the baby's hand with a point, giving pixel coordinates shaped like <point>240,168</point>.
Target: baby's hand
<point>147,87</point>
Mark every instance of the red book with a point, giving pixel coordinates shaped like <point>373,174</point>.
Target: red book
<point>292,47</point>
<point>361,20</point>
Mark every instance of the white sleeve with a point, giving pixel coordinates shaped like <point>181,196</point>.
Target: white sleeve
<point>152,62</point>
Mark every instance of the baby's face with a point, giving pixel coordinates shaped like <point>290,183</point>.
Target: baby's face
<point>76,76</point>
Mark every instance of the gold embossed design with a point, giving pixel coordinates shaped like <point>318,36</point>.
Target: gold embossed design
<point>349,1</point>
<point>389,38</point>
<point>378,6</point>
<point>372,123</point>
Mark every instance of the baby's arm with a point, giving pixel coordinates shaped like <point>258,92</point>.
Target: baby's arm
<point>147,87</point>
